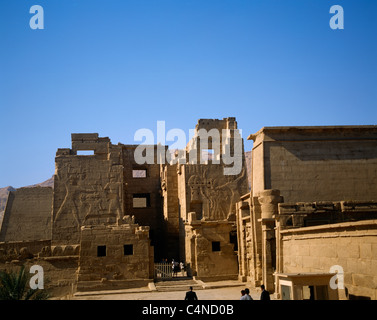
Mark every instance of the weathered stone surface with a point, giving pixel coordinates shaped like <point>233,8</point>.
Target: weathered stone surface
<point>348,245</point>
<point>110,217</point>
<point>27,215</point>
<point>88,190</point>
<point>207,260</point>
<point>316,163</point>
<point>126,255</point>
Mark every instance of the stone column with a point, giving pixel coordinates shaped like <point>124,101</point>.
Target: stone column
<point>242,211</point>
<point>190,239</point>
<point>269,200</point>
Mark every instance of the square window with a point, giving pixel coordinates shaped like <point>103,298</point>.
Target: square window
<point>139,173</point>
<point>215,246</point>
<point>128,249</point>
<point>207,154</point>
<point>101,251</point>
<point>85,152</point>
<point>141,200</point>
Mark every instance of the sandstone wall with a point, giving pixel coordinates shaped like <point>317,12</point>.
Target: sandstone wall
<point>203,188</point>
<point>210,193</point>
<point>249,234</point>
<point>209,253</point>
<point>12,250</point>
<point>316,163</point>
<point>169,188</point>
<point>149,213</point>
<point>183,210</point>
<point>116,265</point>
<point>27,215</point>
<point>248,162</point>
<point>59,263</point>
<point>351,245</point>
<point>88,189</point>
<point>59,274</point>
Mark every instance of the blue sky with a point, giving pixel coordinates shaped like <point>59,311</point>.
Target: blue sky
<point>117,66</point>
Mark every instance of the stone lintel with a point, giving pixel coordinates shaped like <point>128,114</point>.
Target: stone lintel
<point>321,207</point>
<point>341,225</point>
<point>63,152</point>
<point>81,137</point>
<point>306,133</point>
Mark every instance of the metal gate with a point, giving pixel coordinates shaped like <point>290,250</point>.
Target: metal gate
<point>163,271</point>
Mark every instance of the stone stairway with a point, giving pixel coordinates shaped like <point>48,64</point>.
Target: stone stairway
<point>178,284</point>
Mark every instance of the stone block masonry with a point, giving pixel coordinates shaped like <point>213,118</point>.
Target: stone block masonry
<point>112,256</point>
<point>306,164</point>
<point>27,215</point>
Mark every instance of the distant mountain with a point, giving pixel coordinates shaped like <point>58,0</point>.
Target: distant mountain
<point>47,183</point>
<point>5,191</point>
<point>4,196</point>
<point>3,200</point>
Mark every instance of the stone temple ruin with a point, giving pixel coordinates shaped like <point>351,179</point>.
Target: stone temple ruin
<point>309,212</point>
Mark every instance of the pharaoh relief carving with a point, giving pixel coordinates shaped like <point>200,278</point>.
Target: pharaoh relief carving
<point>73,194</point>
<point>88,193</point>
<point>113,190</point>
<point>217,193</point>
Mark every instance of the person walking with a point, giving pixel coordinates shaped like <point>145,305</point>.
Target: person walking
<point>247,294</point>
<point>173,268</point>
<point>265,295</point>
<point>176,268</point>
<point>191,295</point>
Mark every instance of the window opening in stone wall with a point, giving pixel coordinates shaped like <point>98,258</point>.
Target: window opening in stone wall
<point>101,251</point>
<point>215,246</point>
<point>208,154</point>
<point>128,249</point>
<point>139,173</point>
<point>85,152</point>
<point>141,200</point>
<point>233,239</point>
<point>285,292</point>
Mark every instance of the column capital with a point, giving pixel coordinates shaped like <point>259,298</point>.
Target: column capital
<point>269,200</point>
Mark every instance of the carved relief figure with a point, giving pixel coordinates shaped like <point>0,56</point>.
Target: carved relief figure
<point>72,194</point>
<point>113,193</point>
